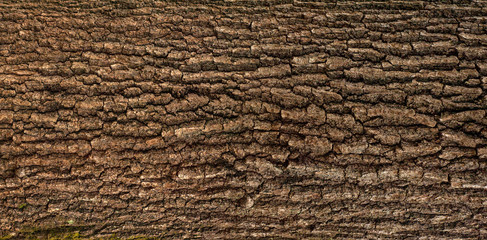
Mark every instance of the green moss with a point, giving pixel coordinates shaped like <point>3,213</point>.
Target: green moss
<point>6,237</point>
<point>64,232</point>
<point>52,233</point>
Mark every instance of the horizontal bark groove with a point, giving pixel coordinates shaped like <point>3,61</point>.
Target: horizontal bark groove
<point>239,119</point>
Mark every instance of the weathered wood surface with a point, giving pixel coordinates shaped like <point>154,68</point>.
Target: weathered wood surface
<point>245,119</point>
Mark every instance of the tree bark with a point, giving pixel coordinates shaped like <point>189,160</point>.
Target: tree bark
<point>267,119</point>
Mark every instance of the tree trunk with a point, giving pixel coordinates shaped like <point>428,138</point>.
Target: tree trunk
<point>239,119</point>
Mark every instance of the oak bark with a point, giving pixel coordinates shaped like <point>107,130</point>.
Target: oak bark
<point>264,119</point>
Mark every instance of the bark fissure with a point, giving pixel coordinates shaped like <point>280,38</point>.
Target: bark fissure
<point>244,119</point>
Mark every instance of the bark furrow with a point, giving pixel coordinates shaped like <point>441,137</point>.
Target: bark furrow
<point>242,119</point>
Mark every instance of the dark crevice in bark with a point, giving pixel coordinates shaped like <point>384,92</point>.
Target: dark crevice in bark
<point>244,119</point>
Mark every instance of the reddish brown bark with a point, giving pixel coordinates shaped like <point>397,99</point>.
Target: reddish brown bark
<point>245,119</point>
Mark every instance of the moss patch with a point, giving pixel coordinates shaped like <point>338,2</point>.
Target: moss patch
<point>62,233</point>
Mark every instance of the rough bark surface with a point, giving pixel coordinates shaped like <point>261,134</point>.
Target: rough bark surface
<point>264,119</point>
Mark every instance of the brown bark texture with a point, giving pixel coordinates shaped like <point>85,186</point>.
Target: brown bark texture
<point>245,119</point>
